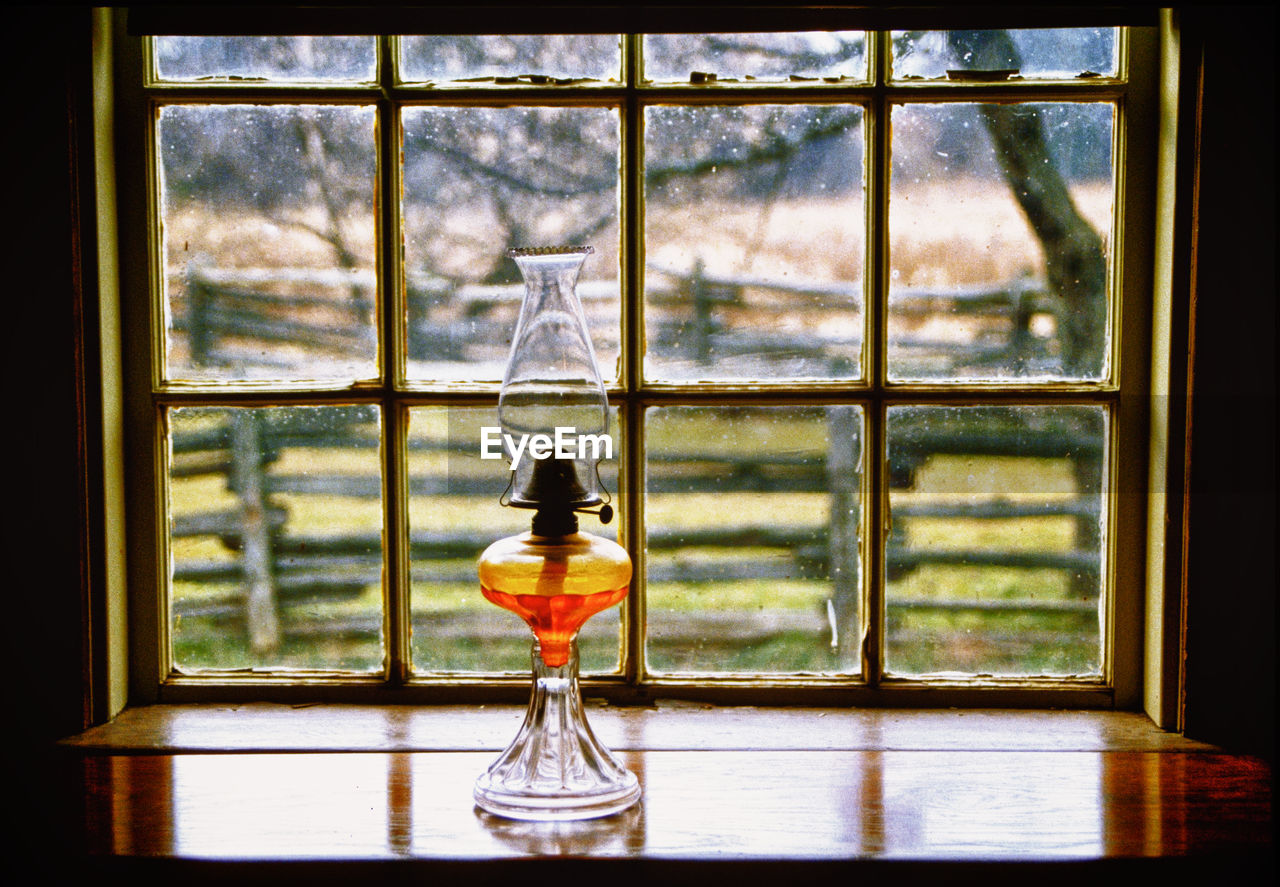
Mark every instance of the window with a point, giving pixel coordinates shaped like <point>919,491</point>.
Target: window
<point>861,299</point>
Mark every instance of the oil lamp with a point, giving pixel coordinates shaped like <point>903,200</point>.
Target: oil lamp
<point>554,422</point>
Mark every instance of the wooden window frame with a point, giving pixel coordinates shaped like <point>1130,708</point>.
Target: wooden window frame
<point>1118,687</point>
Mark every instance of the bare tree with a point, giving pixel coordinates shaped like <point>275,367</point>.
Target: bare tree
<point>1075,260</point>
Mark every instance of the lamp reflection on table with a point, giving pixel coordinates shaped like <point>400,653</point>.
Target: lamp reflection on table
<point>698,804</point>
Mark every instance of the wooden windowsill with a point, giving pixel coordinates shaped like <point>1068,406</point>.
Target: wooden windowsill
<point>665,726</point>
<point>335,785</point>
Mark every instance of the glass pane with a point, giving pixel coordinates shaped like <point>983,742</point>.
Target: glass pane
<point>832,55</point>
<point>754,242</point>
<point>1037,54</point>
<point>478,181</point>
<point>268,215</point>
<point>280,59</point>
<point>525,59</point>
<point>275,537</point>
<point>995,553</point>
<point>999,227</point>
<point>753,539</point>
<point>454,514</point>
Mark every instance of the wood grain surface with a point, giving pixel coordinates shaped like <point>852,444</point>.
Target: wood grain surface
<point>664,726</point>
<point>723,785</point>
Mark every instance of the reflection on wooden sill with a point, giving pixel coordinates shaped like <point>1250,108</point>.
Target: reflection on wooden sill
<point>714,805</point>
<point>393,783</point>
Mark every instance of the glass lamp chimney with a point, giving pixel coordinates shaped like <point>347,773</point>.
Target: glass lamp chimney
<point>552,381</point>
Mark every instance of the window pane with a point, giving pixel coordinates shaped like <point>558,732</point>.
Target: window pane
<point>276,537</point>
<point>530,58</point>
<point>999,226</point>
<point>454,514</point>
<point>268,241</point>
<point>796,56</point>
<point>753,242</point>
<point>752,521</point>
<point>994,558</point>
<point>1039,53</point>
<point>280,59</point>
<point>478,181</point>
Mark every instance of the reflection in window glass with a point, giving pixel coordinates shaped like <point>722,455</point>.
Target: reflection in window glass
<point>454,515</point>
<point>275,537</point>
<point>478,181</point>
<point>1041,53</point>
<point>526,58</point>
<point>995,549</point>
<point>278,59</point>
<point>753,241</point>
<point>752,539</point>
<point>268,241</point>
<point>800,55</point>
<point>999,226</point>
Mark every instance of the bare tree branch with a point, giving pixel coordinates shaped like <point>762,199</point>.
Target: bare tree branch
<point>773,150</point>
<point>490,171</point>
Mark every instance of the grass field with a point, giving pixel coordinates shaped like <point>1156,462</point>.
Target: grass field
<point>718,622</point>
<point>956,232</point>
<point>959,232</point>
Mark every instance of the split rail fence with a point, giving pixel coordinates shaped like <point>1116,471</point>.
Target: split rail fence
<point>274,568</point>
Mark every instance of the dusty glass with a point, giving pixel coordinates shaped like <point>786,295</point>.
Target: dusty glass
<point>271,59</point>
<point>798,56</point>
<point>478,181</point>
<point>752,539</point>
<point>754,242</point>
<point>455,512</point>
<point>1000,220</point>
<point>1033,54</point>
<point>275,538</point>
<point>531,59</point>
<point>268,218</point>
<point>995,550</point>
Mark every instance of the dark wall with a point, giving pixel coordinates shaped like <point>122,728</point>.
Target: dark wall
<point>1231,581</point>
<point>48,422</point>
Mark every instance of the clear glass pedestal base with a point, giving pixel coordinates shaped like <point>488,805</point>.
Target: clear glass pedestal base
<point>556,769</point>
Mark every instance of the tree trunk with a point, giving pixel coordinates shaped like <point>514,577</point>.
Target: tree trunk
<point>1076,264</point>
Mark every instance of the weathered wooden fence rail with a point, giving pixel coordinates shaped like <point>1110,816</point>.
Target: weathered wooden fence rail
<point>272,568</point>
<point>691,315</point>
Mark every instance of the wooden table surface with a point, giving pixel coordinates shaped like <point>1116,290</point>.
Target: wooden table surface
<point>343,784</point>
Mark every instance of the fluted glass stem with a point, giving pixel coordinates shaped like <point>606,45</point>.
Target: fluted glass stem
<point>556,768</point>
